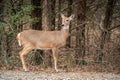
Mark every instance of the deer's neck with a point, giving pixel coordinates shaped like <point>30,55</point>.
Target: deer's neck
<point>65,31</point>
<point>65,27</point>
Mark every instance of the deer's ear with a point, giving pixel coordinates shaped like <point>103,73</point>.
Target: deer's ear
<point>62,15</point>
<point>72,17</point>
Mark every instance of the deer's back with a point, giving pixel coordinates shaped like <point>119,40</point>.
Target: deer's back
<point>42,39</point>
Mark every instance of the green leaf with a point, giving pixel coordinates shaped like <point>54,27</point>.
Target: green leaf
<point>2,24</point>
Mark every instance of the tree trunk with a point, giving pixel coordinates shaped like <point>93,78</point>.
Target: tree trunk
<point>57,13</point>
<point>37,26</point>
<point>46,25</point>
<point>105,36</point>
<point>7,45</point>
<point>80,42</point>
<point>69,13</point>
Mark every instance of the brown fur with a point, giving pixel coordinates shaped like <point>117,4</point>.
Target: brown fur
<point>43,39</point>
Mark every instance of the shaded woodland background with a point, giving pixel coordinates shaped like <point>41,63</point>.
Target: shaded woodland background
<point>94,43</point>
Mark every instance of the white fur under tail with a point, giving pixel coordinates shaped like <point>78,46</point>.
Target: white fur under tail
<point>19,43</point>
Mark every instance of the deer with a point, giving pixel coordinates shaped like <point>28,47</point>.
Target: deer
<point>38,39</point>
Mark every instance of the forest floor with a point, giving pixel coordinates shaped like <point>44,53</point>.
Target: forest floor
<point>51,75</point>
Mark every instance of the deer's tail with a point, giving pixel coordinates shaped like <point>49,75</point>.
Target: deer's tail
<point>18,38</point>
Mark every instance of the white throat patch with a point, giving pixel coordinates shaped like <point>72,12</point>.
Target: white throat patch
<point>65,27</point>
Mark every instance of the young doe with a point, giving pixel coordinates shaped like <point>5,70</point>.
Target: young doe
<point>35,39</point>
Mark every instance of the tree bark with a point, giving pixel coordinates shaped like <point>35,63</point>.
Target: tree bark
<point>46,25</point>
<point>69,13</point>
<point>105,35</point>
<point>57,13</point>
<point>37,26</point>
<point>80,42</point>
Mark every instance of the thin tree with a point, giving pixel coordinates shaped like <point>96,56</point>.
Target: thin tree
<point>105,36</point>
<point>80,41</point>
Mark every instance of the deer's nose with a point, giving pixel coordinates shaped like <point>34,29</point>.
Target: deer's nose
<point>62,24</point>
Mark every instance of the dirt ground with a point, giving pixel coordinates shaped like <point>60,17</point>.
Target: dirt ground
<point>42,75</point>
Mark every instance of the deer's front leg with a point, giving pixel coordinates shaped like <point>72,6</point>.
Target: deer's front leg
<point>22,54</point>
<point>55,57</point>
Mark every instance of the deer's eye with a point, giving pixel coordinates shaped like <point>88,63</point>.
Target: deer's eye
<point>66,20</point>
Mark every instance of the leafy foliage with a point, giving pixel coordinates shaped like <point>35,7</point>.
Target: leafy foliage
<point>12,22</point>
<point>19,18</point>
<point>2,24</point>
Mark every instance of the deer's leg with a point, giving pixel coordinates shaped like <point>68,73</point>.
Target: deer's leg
<point>22,54</point>
<point>55,57</point>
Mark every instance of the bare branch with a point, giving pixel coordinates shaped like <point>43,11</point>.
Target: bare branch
<point>114,27</point>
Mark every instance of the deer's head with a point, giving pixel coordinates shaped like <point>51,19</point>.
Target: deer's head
<point>66,21</point>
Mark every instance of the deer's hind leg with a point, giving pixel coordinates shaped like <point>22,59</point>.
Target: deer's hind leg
<point>22,55</point>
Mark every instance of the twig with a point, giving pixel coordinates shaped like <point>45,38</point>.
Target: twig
<point>113,27</point>
<point>79,25</point>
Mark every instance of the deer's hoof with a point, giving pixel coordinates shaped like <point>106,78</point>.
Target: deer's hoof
<point>26,70</point>
<point>57,70</point>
